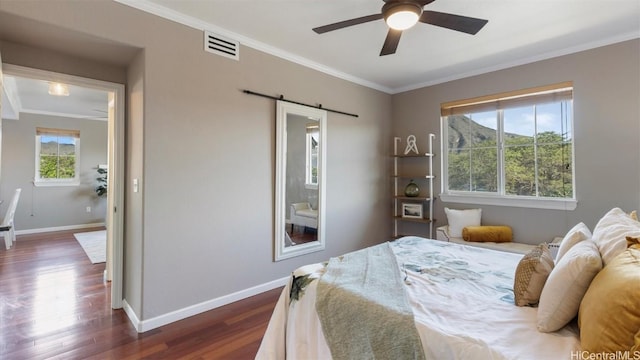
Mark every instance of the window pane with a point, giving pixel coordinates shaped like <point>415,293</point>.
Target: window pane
<point>67,167</point>
<point>554,170</point>
<point>459,170</point>
<point>48,167</point>
<point>520,177</point>
<point>67,145</point>
<point>484,169</point>
<point>553,118</point>
<point>519,126</point>
<point>458,131</point>
<point>483,129</point>
<point>473,152</point>
<point>49,145</point>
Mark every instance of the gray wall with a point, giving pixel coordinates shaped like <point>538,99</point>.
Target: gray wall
<point>52,206</point>
<point>607,124</point>
<point>197,143</point>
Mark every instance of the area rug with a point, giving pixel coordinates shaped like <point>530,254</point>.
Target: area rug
<point>94,244</point>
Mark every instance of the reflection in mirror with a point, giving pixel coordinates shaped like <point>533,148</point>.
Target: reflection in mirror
<point>300,158</point>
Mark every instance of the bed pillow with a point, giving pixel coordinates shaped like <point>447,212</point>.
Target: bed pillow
<point>487,233</point>
<point>609,316</point>
<point>566,285</point>
<point>611,231</point>
<point>458,219</point>
<point>531,274</point>
<point>577,233</point>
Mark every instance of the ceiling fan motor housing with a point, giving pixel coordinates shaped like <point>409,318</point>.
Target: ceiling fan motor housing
<point>392,7</point>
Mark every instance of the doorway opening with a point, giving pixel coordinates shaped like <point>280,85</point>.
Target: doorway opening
<point>113,114</point>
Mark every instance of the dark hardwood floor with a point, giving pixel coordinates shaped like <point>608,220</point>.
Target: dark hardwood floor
<point>55,305</point>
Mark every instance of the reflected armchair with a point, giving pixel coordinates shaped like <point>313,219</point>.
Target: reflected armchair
<point>302,214</point>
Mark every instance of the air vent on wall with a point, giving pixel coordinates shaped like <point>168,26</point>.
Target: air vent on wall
<point>220,45</point>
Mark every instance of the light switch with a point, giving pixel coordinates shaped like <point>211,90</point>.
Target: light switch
<point>135,185</point>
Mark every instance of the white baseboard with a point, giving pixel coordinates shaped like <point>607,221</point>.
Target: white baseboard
<point>131,315</point>
<point>158,321</point>
<point>58,228</point>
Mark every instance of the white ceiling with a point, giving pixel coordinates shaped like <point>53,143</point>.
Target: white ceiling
<point>518,32</point>
<point>24,95</point>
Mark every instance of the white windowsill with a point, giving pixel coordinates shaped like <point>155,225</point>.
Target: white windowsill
<point>537,203</point>
<point>56,183</point>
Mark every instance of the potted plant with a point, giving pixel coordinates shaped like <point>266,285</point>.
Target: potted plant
<point>101,189</point>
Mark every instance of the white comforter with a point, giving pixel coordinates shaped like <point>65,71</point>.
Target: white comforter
<point>462,300</point>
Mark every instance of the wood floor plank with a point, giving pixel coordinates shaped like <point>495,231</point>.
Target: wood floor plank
<point>55,305</point>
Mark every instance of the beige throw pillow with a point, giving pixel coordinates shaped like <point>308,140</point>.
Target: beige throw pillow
<point>458,219</point>
<point>577,233</point>
<point>566,285</point>
<point>531,274</point>
<point>611,231</point>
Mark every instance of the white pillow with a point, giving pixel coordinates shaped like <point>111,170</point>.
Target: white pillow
<point>458,219</point>
<point>575,235</point>
<point>566,286</point>
<point>611,231</point>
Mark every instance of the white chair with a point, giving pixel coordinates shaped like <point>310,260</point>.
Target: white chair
<point>7,224</point>
<point>302,214</point>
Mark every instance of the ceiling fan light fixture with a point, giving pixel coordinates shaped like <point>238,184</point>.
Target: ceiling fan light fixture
<point>402,16</point>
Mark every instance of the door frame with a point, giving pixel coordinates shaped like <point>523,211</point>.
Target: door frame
<point>116,142</point>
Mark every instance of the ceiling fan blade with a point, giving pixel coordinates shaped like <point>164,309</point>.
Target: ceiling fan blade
<point>347,23</point>
<point>391,42</point>
<point>464,24</point>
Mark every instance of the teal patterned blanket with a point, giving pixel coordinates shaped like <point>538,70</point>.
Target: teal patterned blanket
<point>363,307</point>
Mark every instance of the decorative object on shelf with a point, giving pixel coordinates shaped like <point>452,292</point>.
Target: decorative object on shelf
<point>411,145</point>
<point>412,210</point>
<point>412,189</point>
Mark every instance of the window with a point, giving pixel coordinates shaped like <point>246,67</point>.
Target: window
<point>57,157</point>
<point>510,149</point>
<point>311,178</point>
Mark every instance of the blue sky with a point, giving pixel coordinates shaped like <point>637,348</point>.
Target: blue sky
<point>59,139</point>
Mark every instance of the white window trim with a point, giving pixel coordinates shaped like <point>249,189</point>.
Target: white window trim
<point>515,201</point>
<point>308,184</point>
<point>37,181</point>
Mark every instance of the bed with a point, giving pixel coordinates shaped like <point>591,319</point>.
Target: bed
<point>461,305</point>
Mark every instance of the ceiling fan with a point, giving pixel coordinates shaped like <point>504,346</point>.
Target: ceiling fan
<point>403,14</point>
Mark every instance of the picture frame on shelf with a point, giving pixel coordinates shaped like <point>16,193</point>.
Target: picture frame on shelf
<point>412,211</point>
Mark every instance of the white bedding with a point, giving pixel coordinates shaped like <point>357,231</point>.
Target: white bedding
<point>462,301</point>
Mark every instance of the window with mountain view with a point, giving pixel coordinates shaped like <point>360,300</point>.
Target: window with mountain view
<point>311,177</point>
<point>511,146</point>
<point>57,156</point>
